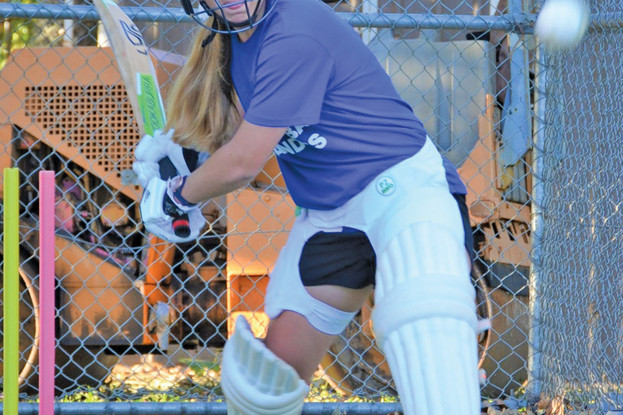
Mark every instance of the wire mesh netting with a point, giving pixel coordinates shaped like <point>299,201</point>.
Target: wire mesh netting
<point>578,244</point>
<point>142,319</point>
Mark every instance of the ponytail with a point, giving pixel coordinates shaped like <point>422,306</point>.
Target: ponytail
<point>201,103</point>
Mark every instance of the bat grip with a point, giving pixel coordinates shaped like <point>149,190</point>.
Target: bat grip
<point>181,226</point>
<point>181,222</point>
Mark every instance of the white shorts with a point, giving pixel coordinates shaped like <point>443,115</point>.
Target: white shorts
<point>414,190</point>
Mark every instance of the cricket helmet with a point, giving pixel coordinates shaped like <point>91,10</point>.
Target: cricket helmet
<point>220,24</point>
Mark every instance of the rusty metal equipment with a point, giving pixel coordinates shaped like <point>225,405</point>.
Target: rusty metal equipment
<point>67,111</point>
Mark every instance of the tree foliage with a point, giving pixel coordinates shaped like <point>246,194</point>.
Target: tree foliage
<point>17,33</point>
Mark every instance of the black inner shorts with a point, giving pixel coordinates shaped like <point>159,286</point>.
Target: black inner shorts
<point>347,258</point>
<point>338,258</point>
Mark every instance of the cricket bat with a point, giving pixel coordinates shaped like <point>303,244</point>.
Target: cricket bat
<point>135,66</point>
<point>139,77</point>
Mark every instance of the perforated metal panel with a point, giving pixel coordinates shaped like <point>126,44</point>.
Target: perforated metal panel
<point>97,119</point>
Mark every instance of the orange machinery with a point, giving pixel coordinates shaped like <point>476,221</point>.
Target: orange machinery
<point>66,109</point>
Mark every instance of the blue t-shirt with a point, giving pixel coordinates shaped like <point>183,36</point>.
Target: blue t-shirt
<point>307,69</point>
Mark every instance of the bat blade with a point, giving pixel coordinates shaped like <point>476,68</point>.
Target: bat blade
<point>139,78</point>
<point>135,66</point>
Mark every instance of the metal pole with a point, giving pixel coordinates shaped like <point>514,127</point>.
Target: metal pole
<point>533,389</point>
<point>520,23</point>
<point>200,408</point>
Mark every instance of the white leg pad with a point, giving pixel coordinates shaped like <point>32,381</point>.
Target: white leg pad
<point>255,381</point>
<point>425,321</point>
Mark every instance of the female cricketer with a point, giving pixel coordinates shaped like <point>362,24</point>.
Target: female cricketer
<point>380,208</point>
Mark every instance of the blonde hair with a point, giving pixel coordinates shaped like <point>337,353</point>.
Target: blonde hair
<point>201,103</point>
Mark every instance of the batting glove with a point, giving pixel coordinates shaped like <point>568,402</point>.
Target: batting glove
<point>159,156</point>
<point>166,214</point>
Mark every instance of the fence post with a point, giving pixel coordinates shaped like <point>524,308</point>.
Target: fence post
<point>533,389</point>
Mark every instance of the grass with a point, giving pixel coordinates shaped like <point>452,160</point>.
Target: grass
<point>191,380</point>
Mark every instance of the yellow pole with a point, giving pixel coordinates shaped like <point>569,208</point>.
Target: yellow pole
<point>11,290</point>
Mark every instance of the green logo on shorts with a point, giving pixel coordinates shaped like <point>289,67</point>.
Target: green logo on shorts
<point>385,186</point>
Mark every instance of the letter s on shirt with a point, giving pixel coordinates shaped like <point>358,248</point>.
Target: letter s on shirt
<point>316,140</point>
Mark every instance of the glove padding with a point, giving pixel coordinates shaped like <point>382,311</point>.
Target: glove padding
<point>152,151</point>
<point>162,215</point>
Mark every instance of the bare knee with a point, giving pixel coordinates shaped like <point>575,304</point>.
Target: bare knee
<point>298,343</point>
<point>291,336</point>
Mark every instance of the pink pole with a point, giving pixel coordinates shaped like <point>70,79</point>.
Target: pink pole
<point>46,292</point>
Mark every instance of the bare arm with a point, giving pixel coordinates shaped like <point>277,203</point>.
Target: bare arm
<point>235,164</point>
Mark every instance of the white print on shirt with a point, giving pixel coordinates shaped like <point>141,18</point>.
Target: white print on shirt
<point>317,141</point>
<point>293,145</point>
<point>294,132</point>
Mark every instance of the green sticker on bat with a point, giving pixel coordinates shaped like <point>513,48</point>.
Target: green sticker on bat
<point>150,103</point>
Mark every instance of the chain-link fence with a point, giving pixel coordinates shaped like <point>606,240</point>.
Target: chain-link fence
<point>141,319</point>
<point>578,326</point>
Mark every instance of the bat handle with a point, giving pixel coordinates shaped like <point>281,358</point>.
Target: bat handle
<point>181,226</point>
<point>181,222</point>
